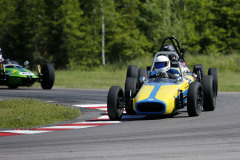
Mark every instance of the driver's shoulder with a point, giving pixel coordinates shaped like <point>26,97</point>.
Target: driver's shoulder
<point>173,70</point>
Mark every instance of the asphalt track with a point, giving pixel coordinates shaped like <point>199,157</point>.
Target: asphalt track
<point>212,135</point>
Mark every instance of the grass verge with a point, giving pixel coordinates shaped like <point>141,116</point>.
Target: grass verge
<point>228,69</point>
<point>89,79</point>
<point>23,113</point>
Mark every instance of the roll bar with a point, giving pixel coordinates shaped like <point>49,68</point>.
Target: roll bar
<point>176,46</point>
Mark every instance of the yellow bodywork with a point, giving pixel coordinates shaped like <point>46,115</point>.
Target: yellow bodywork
<point>164,92</point>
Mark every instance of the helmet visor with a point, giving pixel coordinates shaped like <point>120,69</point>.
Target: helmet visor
<point>160,65</point>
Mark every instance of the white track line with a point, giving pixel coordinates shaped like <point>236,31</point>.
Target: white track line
<point>67,127</point>
<point>96,122</point>
<point>103,117</point>
<point>89,105</point>
<point>25,131</point>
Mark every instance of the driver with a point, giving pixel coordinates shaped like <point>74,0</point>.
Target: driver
<point>169,47</point>
<point>162,68</point>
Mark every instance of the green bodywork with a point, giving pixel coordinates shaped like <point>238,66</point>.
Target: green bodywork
<point>19,76</point>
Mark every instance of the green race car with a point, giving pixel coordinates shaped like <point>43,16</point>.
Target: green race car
<point>14,75</point>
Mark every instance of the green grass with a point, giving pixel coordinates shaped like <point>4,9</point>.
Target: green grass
<point>229,81</point>
<point>104,77</point>
<point>228,69</point>
<point>89,79</point>
<point>223,63</point>
<point>97,78</point>
<point>22,113</point>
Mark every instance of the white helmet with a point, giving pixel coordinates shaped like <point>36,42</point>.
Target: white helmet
<point>162,64</point>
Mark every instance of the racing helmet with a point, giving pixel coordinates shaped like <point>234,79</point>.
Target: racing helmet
<point>162,64</point>
<point>169,47</point>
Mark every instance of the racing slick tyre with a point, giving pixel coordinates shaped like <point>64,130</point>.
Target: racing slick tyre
<point>141,73</point>
<point>48,76</point>
<point>114,103</point>
<point>195,99</point>
<point>132,71</point>
<point>209,101</point>
<point>196,69</point>
<point>214,73</point>
<point>131,86</point>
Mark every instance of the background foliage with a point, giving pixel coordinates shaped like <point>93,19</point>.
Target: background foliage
<point>68,32</point>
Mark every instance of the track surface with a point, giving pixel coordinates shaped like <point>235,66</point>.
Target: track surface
<point>212,135</point>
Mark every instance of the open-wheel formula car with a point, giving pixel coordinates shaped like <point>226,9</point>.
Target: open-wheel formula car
<point>14,75</point>
<point>165,87</point>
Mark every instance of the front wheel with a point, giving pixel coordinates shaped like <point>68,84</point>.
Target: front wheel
<point>114,103</point>
<point>195,99</point>
<point>48,76</point>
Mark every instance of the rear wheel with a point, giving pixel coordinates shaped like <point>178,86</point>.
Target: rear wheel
<point>214,73</point>
<point>199,70</point>
<point>48,76</point>
<point>209,102</point>
<point>114,105</point>
<point>195,99</point>
<point>131,86</point>
<point>132,71</point>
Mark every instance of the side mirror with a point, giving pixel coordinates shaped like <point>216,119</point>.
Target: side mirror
<point>148,68</point>
<point>26,64</point>
<point>142,79</point>
<point>179,79</point>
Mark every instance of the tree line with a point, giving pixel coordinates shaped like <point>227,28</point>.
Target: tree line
<point>68,33</point>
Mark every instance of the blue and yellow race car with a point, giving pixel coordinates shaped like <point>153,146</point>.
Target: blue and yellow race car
<point>165,87</point>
